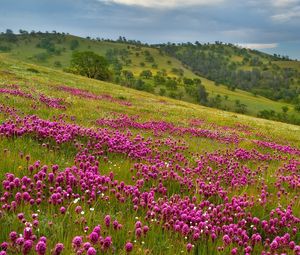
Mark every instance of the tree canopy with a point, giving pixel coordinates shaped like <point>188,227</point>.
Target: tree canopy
<point>89,64</point>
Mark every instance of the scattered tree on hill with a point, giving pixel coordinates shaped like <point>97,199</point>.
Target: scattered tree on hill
<point>147,74</point>
<point>89,64</point>
<point>74,44</point>
<point>239,107</point>
<point>202,95</point>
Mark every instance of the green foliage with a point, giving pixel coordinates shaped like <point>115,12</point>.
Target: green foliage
<point>57,64</point>
<point>162,91</point>
<point>202,95</point>
<point>41,57</point>
<point>74,44</point>
<point>240,108</point>
<point>255,73</point>
<point>147,74</point>
<point>5,48</point>
<point>89,64</point>
<point>10,37</point>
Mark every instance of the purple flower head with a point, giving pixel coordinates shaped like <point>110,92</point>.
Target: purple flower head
<point>97,229</point>
<point>94,237</point>
<point>41,248</point>
<point>189,247</point>
<point>77,241</point>
<point>27,247</point>
<point>58,249</point>
<point>107,220</point>
<point>62,210</point>
<point>20,241</point>
<point>86,245</point>
<point>91,251</point>
<point>13,236</point>
<point>4,246</point>
<point>27,233</point>
<point>128,247</point>
<point>107,242</point>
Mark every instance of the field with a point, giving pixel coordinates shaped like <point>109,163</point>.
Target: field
<point>26,50</point>
<point>89,167</point>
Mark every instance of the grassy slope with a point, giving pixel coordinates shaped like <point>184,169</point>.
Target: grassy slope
<point>149,107</point>
<point>26,50</point>
<point>289,64</point>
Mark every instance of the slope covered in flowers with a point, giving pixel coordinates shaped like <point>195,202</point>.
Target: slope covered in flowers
<point>93,168</point>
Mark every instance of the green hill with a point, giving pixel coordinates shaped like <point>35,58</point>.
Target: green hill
<point>90,166</point>
<point>169,77</point>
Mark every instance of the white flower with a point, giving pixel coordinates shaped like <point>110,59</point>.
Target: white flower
<point>92,209</point>
<point>82,213</point>
<point>76,200</point>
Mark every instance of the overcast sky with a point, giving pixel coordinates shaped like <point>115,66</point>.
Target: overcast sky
<point>268,25</point>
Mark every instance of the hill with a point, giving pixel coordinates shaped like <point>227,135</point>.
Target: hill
<point>90,166</point>
<point>242,68</point>
<point>149,68</point>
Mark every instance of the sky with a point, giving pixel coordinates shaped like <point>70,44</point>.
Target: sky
<point>272,26</point>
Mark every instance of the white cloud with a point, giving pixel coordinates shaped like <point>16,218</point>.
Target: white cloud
<point>284,3</point>
<point>258,46</point>
<point>165,3</point>
<point>287,15</point>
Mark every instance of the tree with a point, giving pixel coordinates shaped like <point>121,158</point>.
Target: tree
<point>74,44</point>
<point>202,95</point>
<point>89,64</point>
<point>239,107</point>
<point>10,36</point>
<point>147,74</point>
<point>285,109</point>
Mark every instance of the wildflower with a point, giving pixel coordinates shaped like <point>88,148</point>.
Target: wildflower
<point>91,251</point>
<point>27,247</point>
<point>94,237</point>
<point>58,249</point>
<point>41,248</point>
<point>128,247</point>
<point>77,241</point>
<point>189,247</point>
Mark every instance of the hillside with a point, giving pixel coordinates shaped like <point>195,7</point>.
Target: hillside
<point>168,76</point>
<point>242,68</point>
<point>93,167</point>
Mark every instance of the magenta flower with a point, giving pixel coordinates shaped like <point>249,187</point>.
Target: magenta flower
<point>128,247</point>
<point>94,237</point>
<point>189,247</point>
<point>41,248</point>
<point>27,247</point>
<point>91,251</point>
<point>77,241</point>
<point>107,220</point>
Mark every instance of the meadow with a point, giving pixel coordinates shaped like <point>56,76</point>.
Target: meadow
<point>90,167</point>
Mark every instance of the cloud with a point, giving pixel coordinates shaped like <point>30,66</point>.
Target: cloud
<point>258,46</point>
<point>284,3</point>
<point>287,15</point>
<point>165,3</point>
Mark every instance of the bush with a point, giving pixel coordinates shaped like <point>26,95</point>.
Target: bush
<point>32,70</point>
<point>74,44</point>
<point>41,57</point>
<point>5,48</point>
<point>57,64</point>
